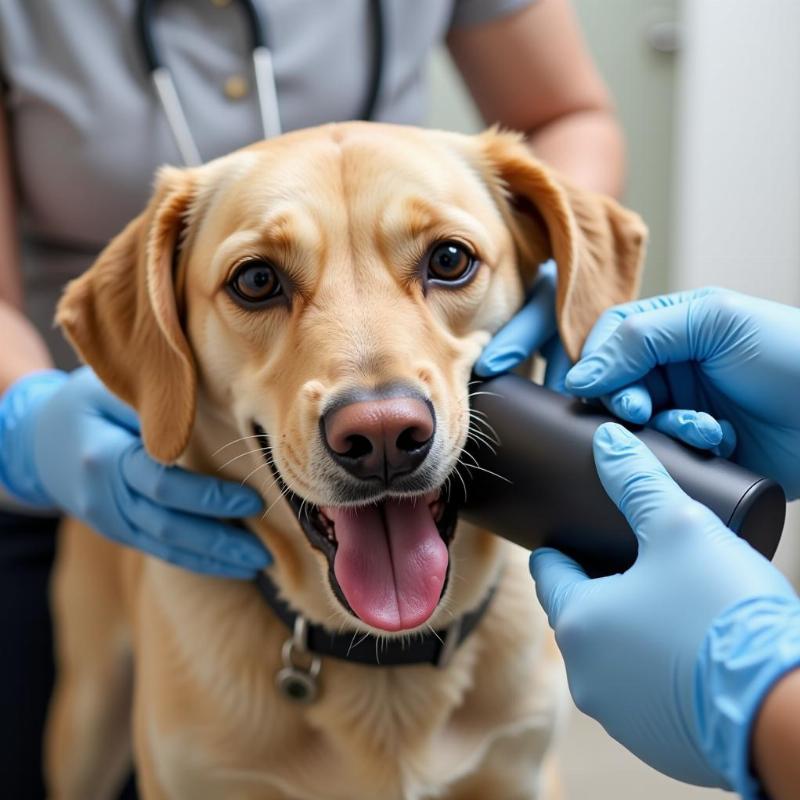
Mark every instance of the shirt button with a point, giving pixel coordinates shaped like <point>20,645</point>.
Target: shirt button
<point>236,87</point>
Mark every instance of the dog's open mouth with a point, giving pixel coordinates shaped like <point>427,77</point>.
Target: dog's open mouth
<point>388,561</point>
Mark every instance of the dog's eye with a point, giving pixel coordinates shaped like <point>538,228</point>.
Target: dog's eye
<point>450,262</point>
<point>256,282</point>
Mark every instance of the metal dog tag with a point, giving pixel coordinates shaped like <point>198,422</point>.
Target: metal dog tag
<point>296,682</point>
<point>296,685</point>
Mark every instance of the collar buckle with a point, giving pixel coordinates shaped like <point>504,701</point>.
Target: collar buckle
<point>299,682</point>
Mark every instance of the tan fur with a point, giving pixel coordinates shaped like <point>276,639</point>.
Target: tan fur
<point>348,211</point>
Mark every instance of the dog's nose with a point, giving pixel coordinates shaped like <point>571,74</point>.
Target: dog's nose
<point>382,438</point>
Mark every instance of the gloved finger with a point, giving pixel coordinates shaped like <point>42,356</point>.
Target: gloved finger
<point>226,546</point>
<point>557,576</point>
<point>696,428</point>
<point>179,489</point>
<point>107,404</point>
<point>728,444</point>
<point>612,317</point>
<point>635,403</point>
<point>636,481</point>
<point>527,331</point>
<point>636,346</point>
<point>631,403</point>
<point>558,364</point>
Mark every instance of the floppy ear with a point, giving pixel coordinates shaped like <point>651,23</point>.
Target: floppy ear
<point>122,317</point>
<point>598,246</point>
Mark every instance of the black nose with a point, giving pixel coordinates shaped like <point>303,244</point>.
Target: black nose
<point>383,438</point>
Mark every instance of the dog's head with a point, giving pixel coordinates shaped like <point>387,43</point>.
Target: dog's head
<point>325,294</point>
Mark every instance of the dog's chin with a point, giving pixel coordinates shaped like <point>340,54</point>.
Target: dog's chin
<point>388,558</point>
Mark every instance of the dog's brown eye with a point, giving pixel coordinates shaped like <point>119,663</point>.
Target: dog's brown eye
<point>256,282</point>
<point>450,262</point>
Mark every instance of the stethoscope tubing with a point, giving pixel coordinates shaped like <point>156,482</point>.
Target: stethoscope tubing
<point>266,90</point>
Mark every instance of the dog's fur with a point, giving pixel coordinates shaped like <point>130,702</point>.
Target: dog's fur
<point>182,666</point>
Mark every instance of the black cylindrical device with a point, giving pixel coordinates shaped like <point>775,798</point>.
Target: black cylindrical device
<point>545,489</point>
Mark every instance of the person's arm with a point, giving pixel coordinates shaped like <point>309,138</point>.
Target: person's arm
<point>23,349</point>
<point>531,71</point>
<point>776,740</point>
<point>67,442</point>
<point>692,365</point>
<point>675,656</point>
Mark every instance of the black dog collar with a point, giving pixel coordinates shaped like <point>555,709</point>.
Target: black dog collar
<point>434,648</point>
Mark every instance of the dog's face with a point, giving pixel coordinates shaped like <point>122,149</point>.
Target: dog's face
<point>326,294</point>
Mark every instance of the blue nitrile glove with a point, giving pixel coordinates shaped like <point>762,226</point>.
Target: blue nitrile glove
<point>674,656</point>
<point>66,441</point>
<point>532,329</point>
<point>722,368</point>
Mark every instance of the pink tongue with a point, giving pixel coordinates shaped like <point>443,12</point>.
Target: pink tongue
<point>391,562</point>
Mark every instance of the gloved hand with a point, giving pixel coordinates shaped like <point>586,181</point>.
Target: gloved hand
<point>695,354</point>
<point>674,656</point>
<point>68,442</point>
<point>532,329</point>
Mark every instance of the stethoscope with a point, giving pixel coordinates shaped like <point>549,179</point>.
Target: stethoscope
<point>266,91</point>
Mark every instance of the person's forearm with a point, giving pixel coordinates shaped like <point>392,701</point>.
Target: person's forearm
<point>587,147</point>
<point>776,740</point>
<point>23,349</point>
<point>532,71</point>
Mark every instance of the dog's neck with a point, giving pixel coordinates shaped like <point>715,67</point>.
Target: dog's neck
<point>429,647</point>
<point>217,449</point>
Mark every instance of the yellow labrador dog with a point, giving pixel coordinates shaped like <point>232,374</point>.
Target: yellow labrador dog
<point>306,311</point>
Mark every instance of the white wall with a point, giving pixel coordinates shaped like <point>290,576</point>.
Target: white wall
<point>738,160</point>
<point>738,194</point>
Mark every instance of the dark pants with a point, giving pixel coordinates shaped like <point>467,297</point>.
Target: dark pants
<point>27,548</point>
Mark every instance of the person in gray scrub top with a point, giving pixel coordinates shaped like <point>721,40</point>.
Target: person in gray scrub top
<point>80,140</point>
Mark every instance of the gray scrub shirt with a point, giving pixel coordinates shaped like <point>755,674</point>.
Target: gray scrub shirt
<point>88,132</point>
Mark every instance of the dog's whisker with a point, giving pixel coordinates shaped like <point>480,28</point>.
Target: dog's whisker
<point>485,444</point>
<point>461,478</point>
<point>480,436</point>
<point>304,504</point>
<point>333,615</point>
<point>252,472</point>
<point>283,493</point>
<point>487,428</point>
<point>482,421</point>
<point>234,441</point>
<point>430,628</point>
<point>266,487</point>
<point>260,451</point>
<point>482,439</point>
<point>488,394</point>
<point>354,643</point>
<point>483,469</point>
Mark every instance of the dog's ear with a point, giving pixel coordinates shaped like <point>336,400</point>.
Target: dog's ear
<point>122,317</point>
<point>598,246</point>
